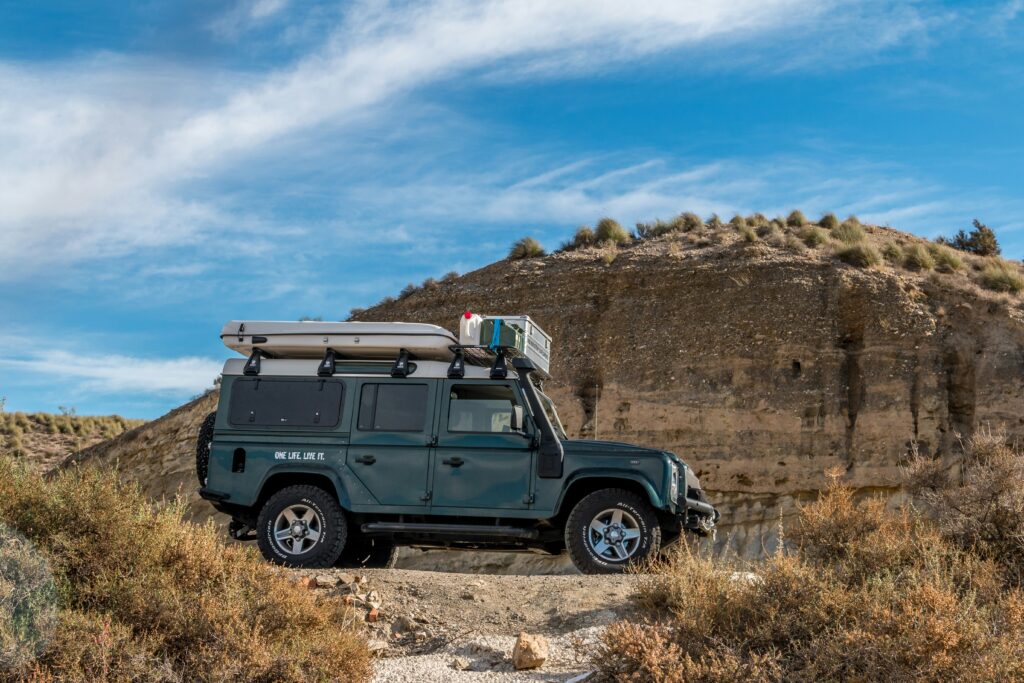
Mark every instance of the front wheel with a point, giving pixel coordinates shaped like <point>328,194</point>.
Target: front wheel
<point>611,530</point>
<point>302,526</point>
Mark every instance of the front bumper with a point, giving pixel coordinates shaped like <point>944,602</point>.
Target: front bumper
<point>697,515</point>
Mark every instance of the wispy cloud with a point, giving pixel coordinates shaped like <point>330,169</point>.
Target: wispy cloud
<point>102,158</point>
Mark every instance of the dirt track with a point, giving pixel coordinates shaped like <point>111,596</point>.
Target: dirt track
<point>438,626</point>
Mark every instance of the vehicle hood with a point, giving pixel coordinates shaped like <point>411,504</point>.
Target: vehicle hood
<point>607,448</point>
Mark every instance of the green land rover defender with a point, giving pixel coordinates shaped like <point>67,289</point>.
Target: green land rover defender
<point>338,460</point>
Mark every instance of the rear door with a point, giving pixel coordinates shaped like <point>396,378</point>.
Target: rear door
<point>480,461</point>
<point>391,439</point>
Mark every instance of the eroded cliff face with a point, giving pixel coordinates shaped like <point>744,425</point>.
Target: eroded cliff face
<point>763,369</point>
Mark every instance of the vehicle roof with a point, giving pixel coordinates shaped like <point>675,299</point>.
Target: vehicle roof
<point>307,367</point>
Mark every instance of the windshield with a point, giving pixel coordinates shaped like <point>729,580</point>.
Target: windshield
<point>549,409</point>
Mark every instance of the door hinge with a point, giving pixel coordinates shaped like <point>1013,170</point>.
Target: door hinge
<point>426,496</point>
<point>529,498</point>
<point>432,441</point>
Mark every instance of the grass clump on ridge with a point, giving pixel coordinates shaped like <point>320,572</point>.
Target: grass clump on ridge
<point>524,248</point>
<point>860,255</point>
<point>849,232</point>
<point>867,594</point>
<point>814,237</point>
<point>946,260</point>
<point>829,221</point>
<point>796,219</point>
<point>916,257</point>
<point>609,231</point>
<point>146,596</point>
<point>892,253</point>
<point>748,233</point>
<point>1001,276</point>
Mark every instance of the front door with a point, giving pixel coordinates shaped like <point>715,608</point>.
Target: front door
<point>481,461</point>
<point>391,439</point>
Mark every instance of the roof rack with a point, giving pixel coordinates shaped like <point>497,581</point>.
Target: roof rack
<point>495,357</point>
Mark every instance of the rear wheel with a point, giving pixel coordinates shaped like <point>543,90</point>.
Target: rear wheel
<point>611,530</point>
<point>302,526</point>
<point>368,553</point>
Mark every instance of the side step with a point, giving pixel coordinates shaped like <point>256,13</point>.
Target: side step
<point>471,530</point>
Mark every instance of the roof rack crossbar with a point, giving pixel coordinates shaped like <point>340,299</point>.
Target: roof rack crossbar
<point>401,366</point>
<point>327,365</point>
<point>500,368</point>
<point>457,368</point>
<point>252,366</point>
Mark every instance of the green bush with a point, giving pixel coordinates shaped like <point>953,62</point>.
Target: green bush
<point>1001,276</point>
<point>609,230</point>
<point>892,253</point>
<point>814,237</point>
<point>796,219</point>
<point>829,221</point>
<point>860,255</point>
<point>146,596</point>
<point>524,248</point>
<point>981,241</point>
<point>916,257</point>
<point>849,232</point>
<point>946,260</point>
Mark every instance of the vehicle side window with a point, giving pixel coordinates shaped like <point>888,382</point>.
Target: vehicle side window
<point>481,408</point>
<point>393,408</point>
<point>286,403</point>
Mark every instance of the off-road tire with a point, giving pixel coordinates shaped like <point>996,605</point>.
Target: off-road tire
<point>203,442</point>
<point>577,530</point>
<point>334,528</point>
<point>368,553</point>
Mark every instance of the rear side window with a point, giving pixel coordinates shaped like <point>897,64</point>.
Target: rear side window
<point>313,404</point>
<point>393,408</point>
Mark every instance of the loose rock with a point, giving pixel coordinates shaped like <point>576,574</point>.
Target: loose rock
<point>530,652</point>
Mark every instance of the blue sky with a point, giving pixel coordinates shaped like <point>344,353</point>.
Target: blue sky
<point>168,165</point>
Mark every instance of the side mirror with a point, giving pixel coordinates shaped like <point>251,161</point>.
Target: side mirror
<point>518,415</point>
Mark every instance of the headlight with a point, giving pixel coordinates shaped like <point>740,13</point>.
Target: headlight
<point>674,488</point>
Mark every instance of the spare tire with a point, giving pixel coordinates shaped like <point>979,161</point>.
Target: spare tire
<point>203,443</point>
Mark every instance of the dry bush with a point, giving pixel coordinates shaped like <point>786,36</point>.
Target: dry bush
<point>1001,276</point>
<point>849,232</point>
<point>583,238</point>
<point>756,220</point>
<point>814,237</point>
<point>411,289</point>
<point>792,243</point>
<point>829,221</point>
<point>690,222</point>
<point>523,248</point>
<point>738,222</point>
<point>796,219</point>
<point>148,597</point>
<point>609,231</point>
<point>748,233</point>
<point>916,257</point>
<point>946,260</point>
<point>714,222</point>
<point>892,254</point>
<point>979,505</point>
<point>860,255</point>
<point>867,595</point>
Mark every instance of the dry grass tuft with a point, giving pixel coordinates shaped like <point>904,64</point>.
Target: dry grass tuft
<point>148,597</point>
<point>1001,276</point>
<point>849,232</point>
<point>916,257</point>
<point>867,595</point>
<point>814,237</point>
<point>609,231</point>
<point>523,248</point>
<point>859,254</point>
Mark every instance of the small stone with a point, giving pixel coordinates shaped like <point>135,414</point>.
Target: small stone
<point>460,663</point>
<point>361,579</point>
<point>377,646</point>
<point>306,582</point>
<point>326,581</point>
<point>402,625</point>
<point>530,652</point>
<point>373,599</point>
<point>346,578</point>
<point>373,615</point>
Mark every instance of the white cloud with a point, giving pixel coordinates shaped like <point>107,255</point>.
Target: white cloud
<point>102,158</point>
<point>117,374</point>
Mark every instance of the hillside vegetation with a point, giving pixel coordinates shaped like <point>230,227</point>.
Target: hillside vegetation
<point>99,585</point>
<point>45,439</point>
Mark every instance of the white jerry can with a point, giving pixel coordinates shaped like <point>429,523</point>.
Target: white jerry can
<point>469,329</point>
<point>517,331</point>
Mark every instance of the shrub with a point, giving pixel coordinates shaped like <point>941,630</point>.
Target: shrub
<point>829,221</point>
<point>450,276</point>
<point>407,291</point>
<point>656,229</point>
<point>689,222</point>
<point>892,253</point>
<point>609,230</point>
<point>981,509</point>
<point>852,219</point>
<point>525,248</point>
<point>946,260</point>
<point>714,222</point>
<point>147,596</point>
<point>1001,276</point>
<point>355,312</point>
<point>860,255</point>
<point>793,244</point>
<point>849,232</point>
<point>738,222</point>
<point>583,238</point>
<point>28,602</point>
<point>757,219</point>
<point>748,233</point>
<point>981,241</point>
<point>814,237</point>
<point>916,257</point>
<point>866,595</point>
<point>796,219</point>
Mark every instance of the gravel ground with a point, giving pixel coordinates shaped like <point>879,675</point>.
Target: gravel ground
<point>439,626</point>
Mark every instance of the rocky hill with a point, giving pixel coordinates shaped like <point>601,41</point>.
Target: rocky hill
<point>764,354</point>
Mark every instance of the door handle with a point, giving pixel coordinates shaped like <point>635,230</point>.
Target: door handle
<point>366,460</point>
<point>453,462</point>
